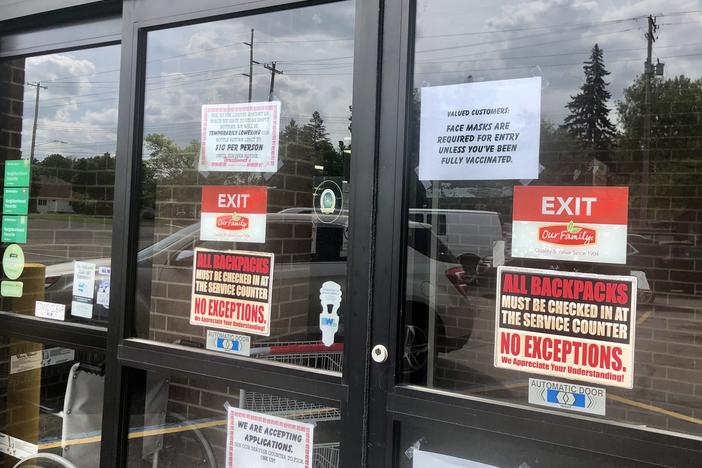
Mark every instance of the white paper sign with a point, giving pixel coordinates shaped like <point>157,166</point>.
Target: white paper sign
<point>83,289</point>
<point>422,459</point>
<point>240,137</point>
<point>256,440</point>
<point>481,131</point>
<point>49,310</point>
<point>36,359</point>
<point>83,279</point>
<point>16,448</point>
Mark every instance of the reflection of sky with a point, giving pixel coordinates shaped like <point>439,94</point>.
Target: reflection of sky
<point>513,39</point>
<point>78,110</point>
<point>203,64</point>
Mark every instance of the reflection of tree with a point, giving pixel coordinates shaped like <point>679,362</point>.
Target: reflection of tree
<point>676,106</point>
<point>588,120</point>
<point>315,136</point>
<point>88,182</point>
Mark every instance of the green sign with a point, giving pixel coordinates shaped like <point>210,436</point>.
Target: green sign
<point>14,229</point>
<point>17,173</point>
<point>15,201</point>
<point>13,261</point>
<point>11,289</point>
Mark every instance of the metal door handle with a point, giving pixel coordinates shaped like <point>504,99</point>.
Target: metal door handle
<point>379,353</point>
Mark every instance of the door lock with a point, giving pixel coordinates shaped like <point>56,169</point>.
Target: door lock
<point>379,353</point>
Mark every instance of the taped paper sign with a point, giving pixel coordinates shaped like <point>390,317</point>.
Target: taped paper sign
<point>258,440</point>
<point>38,359</point>
<point>16,448</point>
<point>49,310</point>
<point>231,213</point>
<point>229,342</point>
<point>83,289</point>
<point>583,224</point>
<point>232,290</point>
<point>479,131</point>
<point>422,459</point>
<point>569,325</point>
<point>240,137</point>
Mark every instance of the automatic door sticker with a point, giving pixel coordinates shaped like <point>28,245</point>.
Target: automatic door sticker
<point>573,397</point>
<point>329,296</point>
<point>328,199</point>
<point>13,261</point>
<point>234,213</point>
<point>229,342</point>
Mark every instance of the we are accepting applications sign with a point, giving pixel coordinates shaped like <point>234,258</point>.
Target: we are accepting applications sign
<point>570,325</point>
<point>576,223</point>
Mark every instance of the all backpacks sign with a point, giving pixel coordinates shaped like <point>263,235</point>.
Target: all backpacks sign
<point>232,290</point>
<point>583,224</point>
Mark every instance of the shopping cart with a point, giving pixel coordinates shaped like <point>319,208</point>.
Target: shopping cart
<point>309,354</point>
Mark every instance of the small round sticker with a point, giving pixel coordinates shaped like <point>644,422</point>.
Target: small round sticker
<point>328,200</point>
<point>13,261</point>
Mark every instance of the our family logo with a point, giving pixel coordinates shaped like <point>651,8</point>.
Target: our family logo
<point>233,222</point>
<point>568,234</point>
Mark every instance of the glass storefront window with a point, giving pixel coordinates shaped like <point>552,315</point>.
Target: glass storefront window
<point>58,121</point>
<point>52,405</point>
<point>298,207</point>
<point>610,128</point>
<point>183,422</point>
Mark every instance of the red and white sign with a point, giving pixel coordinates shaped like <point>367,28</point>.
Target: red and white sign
<point>232,290</point>
<point>570,325</point>
<point>259,440</point>
<point>240,137</point>
<point>233,213</point>
<point>581,224</point>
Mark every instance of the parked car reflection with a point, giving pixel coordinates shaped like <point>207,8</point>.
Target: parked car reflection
<point>309,250</point>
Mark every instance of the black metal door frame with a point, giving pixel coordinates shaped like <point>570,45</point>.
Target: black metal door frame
<point>128,353</point>
<point>94,24</point>
<point>391,404</point>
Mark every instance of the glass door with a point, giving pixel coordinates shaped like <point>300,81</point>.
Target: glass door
<point>548,268</point>
<point>243,247</point>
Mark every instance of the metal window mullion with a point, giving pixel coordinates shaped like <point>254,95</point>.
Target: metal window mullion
<point>124,234</point>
